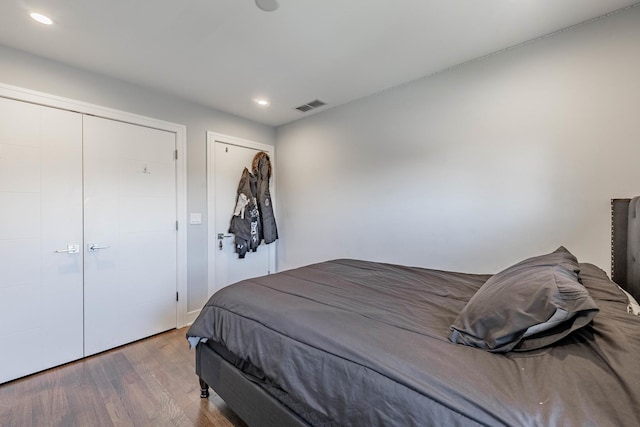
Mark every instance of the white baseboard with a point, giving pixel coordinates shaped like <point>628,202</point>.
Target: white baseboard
<point>191,316</point>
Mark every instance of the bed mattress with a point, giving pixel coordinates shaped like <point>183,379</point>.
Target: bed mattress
<point>366,343</point>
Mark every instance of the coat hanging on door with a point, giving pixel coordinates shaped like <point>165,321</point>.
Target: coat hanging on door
<point>253,220</point>
<point>245,222</point>
<point>261,167</point>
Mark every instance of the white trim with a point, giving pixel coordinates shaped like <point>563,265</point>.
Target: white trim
<point>212,137</point>
<point>48,100</point>
<point>191,316</point>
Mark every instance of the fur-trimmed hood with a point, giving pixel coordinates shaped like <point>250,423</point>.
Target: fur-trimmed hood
<point>261,165</point>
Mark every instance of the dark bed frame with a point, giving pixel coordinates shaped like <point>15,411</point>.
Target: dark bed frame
<point>625,244</point>
<point>247,399</point>
<point>258,408</point>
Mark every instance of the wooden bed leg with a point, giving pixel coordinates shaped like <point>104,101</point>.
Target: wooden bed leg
<point>204,389</point>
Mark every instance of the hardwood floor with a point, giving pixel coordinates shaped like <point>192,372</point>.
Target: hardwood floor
<point>148,383</point>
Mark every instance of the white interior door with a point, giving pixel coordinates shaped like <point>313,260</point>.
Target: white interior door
<point>227,159</point>
<point>40,230</point>
<point>130,232</point>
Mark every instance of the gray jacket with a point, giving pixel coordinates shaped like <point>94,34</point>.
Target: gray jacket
<point>245,222</point>
<point>261,166</point>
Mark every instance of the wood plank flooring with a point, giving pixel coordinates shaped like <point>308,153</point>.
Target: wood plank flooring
<point>148,383</point>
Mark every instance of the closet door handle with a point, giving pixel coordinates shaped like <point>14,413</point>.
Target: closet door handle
<point>92,247</point>
<point>71,249</point>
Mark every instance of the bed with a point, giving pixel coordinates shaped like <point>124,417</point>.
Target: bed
<point>350,342</point>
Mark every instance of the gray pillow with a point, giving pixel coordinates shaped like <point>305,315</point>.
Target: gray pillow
<point>529,305</point>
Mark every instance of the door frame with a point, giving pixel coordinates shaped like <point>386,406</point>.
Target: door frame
<point>212,138</point>
<point>48,100</point>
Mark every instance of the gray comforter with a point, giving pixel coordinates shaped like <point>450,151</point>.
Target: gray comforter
<point>367,344</point>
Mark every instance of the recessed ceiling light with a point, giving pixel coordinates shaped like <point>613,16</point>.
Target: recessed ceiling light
<point>41,18</point>
<point>267,5</point>
<point>262,102</point>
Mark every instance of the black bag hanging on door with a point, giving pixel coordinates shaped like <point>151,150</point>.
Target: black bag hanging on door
<point>245,222</point>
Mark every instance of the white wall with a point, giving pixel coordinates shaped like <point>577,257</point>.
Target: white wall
<point>24,70</point>
<point>474,168</point>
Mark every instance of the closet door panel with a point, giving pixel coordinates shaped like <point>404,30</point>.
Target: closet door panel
<point>21,168</point>
<point>62,272</point>
<point>20,215</point>
<point>130,218</point>
<point>18,258</point>
<point>40,213</point>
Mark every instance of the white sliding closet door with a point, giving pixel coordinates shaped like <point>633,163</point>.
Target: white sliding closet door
<point>40,238</point>
<point>130,232</point>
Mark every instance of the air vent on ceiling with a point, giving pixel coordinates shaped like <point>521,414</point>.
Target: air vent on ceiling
<point>311,105</point>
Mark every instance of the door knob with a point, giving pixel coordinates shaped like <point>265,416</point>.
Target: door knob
<point>92,247</point>
<point>71,249</point>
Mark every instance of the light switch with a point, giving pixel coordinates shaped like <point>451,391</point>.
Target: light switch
<point>196,219</point>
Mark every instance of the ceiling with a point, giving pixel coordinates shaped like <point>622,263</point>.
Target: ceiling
<point>226,53</point>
